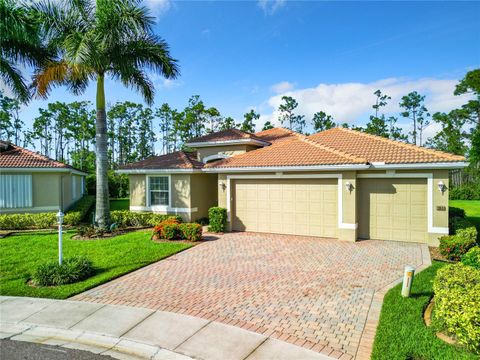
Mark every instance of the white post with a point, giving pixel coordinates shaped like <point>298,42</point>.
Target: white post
<point>60,216</point>
<point>407,280</point>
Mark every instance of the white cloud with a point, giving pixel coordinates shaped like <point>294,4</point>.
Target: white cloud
<point>269,7</point>
<point>352,102</point>
<point>282,87</point>
<point>158,7</point>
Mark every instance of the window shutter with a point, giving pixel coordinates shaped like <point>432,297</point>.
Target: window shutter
<point>15,191</point>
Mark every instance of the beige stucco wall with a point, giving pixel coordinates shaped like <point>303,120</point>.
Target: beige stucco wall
<point>230,150</point>
<point>204,193</point>
<point>137,189</point>
<point>47,192</point>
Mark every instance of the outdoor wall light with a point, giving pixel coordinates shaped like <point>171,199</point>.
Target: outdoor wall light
<point>348,186</point>
<point>442,187</point>
<point>223,186</point>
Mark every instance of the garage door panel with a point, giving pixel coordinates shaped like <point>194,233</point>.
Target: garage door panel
<point>393,209</point>
<point>294,206</point>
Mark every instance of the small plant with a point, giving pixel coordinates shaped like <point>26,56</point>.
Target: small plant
<point>457,303</point>
<point>217,217</point>
<point>454,246</point>
<point>89,231</point>
<point>72,270</point>
<point>191,231</point>
<point>472,257</point>
<point>158,231</point>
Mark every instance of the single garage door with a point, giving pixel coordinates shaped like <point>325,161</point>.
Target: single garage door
<point>393,209</point>
<point>293,206</point>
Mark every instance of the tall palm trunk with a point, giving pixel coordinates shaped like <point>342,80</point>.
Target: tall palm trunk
<point>102,210</point>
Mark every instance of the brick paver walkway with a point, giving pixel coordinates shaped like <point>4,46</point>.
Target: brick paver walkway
<point>312,292</point>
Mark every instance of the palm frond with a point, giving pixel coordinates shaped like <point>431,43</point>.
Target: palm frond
<point>137,80</point>
<point>12,77</point>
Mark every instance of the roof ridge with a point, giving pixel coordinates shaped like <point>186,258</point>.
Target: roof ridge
<point>399,143</point>
<point>332,149</point>
<point>186,158</point>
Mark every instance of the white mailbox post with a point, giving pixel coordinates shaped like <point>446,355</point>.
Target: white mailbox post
<point>60,216</point>
<point>407,280</point>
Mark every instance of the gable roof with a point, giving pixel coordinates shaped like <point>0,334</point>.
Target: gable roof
<point>277,135</point>
<point>13,156</point>
<point>380,149</point>
<point>227,136</point>
<point>176,160</point>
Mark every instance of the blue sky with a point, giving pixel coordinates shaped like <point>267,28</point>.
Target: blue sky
<point>331,56</point>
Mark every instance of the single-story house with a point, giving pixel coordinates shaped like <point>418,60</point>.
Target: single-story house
<point>336,183</point>
<point>30,182</point>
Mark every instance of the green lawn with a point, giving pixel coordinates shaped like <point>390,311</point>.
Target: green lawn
<point>401,332</point>
<point>21,253</point>
<point>119,204</point>
<point>472,209</point>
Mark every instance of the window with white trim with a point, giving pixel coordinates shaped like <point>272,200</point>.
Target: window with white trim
<point>15,191</point>
<point>159,192</point>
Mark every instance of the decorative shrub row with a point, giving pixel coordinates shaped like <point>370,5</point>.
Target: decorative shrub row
<point>73,269</point>
<point>125,218</point>
<point>465,192</point>
<point>47,220</point>
<point>457,303</point>
<point>172,229</point>
<point>454,246</point>
<point>217,217</point>
<point>472,258</point>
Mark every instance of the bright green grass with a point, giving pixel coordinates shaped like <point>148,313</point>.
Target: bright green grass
<point>119,204</point>
<point>401,332</point>
<point>21,253</point>
<point>472,210</point>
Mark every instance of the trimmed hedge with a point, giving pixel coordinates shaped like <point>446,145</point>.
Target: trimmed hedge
<point>454,212</point>
<point>190,231</point>
<point>464,238</point>
<point>472,257</point>
<point>465,192</point>
<point>126,218</point>
<point>217,217</point>
<point>457,303</point>
<point>73,269</point>
<point>47,220</point>
<point>172,229</point>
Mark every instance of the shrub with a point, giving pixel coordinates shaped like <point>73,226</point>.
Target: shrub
<point>191,231</point>
<point>217,217</point>
<point>455,212</point>
<point>47,220</point>
<point>472,258</point>
<point>463,238</point>
<point>126,218</point>
<point>90,231</point>
<point>171,231</point>
<point>457,303</point>
<point>158,230</point>
<point>73,269</point>
<point>465,192</point>
<point>202,221</point>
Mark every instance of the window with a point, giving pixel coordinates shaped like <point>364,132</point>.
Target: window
<point>159,190</point>
<point>15,191</point>
<point>74,187</point>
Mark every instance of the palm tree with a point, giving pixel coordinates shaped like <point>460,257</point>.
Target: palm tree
<point>20,44</point>
<point>96,40</point>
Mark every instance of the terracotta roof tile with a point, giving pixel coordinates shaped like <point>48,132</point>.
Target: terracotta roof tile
<point>13,156</point>
<point>299,151</point>
<point>175,160</point>
<point>277,135</point>
<point>225,135</point>
<point>379,149</point>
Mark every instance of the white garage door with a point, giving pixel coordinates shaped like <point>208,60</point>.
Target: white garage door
<point>295,206</point>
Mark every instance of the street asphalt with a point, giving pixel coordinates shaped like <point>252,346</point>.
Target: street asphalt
<point>20,350</point>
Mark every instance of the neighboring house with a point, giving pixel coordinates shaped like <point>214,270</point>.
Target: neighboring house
<point>30,182</point>
<point>337,183</point>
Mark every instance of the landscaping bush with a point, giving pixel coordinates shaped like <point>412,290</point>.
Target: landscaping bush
<point>217,218</point>
<point>171,231</point>
<point>202,221</point>
<point>465,192</point>
<point>454,212</point>
<point>472,258</point>
<point>191,231</point>
<point>464,236</point>
<point>73,269</point>
<point>125,218</point>
<point>457,303</point>
<point>158,229</point>
<point>47,220</point>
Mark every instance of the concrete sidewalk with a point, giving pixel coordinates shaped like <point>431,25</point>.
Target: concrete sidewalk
<point>125,332</point>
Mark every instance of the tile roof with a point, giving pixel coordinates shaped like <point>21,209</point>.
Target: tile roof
<point>175,160</point>
<point>13,156</point>
<point>299,151</point>
<point>379,149</point>
<point>277,135</point>
<point>225,135</point>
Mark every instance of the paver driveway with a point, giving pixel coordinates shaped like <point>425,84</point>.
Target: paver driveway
<point>313,292</point>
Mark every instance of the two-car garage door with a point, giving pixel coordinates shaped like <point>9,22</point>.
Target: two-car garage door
<point>388,209</point>
<point>286,206</point>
